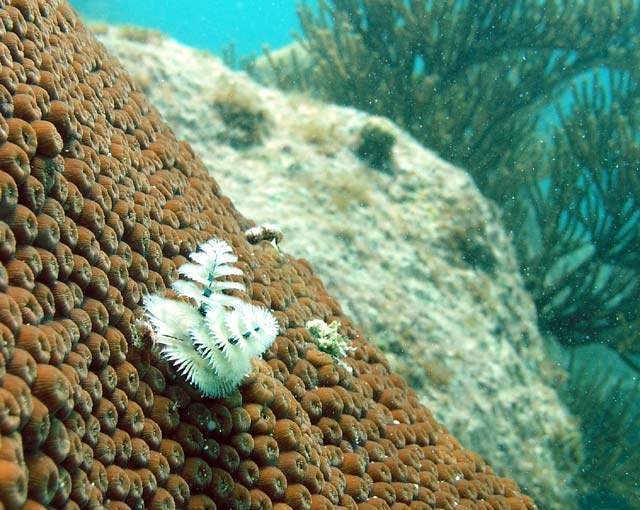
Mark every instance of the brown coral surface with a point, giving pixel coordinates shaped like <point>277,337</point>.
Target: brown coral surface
<point>99,204</point>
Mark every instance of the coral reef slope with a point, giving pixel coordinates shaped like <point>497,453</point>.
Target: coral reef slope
<point>100,205</point>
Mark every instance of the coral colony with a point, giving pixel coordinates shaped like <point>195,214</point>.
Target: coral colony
<point>212,343</point>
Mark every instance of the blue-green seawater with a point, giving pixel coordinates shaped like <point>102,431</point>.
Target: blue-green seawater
<point>205,24</point>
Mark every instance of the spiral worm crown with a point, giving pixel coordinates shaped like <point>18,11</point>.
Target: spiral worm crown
<point>211,344</point>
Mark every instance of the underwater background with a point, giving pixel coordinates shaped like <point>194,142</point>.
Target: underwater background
<point>204,24</point>
<point>578,238</point>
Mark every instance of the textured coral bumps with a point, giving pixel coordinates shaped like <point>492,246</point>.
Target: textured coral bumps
<point>99,206</point>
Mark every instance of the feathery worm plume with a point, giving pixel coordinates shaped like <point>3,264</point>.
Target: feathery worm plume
<point>210,344</point>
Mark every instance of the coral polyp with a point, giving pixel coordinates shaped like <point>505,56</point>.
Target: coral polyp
<point>212,342</point>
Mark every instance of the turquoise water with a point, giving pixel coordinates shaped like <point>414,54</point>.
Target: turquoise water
<point>206,24</point>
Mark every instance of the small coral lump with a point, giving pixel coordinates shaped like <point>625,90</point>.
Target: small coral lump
<point>211,344</point>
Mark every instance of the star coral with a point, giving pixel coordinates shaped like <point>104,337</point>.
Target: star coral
<point>105,216</point>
